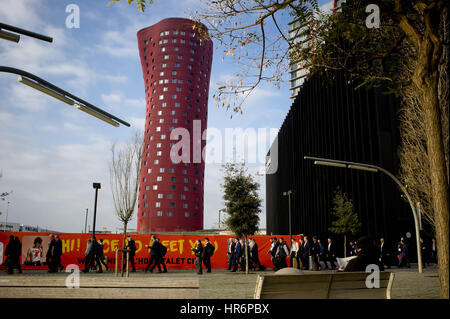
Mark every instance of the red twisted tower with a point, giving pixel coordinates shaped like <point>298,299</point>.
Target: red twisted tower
<point>176,64</point>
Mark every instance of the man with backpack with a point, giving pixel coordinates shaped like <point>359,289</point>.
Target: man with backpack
<point>208,251</point>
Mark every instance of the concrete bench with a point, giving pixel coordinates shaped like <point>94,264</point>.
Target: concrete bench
<point>349,285</point>
<point>99,287</point>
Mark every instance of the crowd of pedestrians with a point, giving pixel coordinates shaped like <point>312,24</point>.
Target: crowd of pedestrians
<point>302,253</point>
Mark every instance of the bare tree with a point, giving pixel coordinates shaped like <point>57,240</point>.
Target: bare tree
<point>125,168</point>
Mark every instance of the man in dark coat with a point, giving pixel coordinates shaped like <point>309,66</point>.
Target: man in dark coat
<point>209,251</point>
<point>161,254</point>
<point>94,256</point>
<point>237,254</point>
<point>403,252</point>
<point>50,254</point>
<point>198,251</point>
<point>330,252</point>
<point>384,255</point>
<point>254,255</point>
<point>12,252</point>
<point>306,253</point>
<point>154,252</point>
<point>131,247</point>
<point>57,253</point>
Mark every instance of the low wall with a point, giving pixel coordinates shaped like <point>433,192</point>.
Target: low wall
<point>179,254</point>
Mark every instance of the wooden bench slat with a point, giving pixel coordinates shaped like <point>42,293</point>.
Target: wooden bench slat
<point>99,293</point>
<point>319,286</point>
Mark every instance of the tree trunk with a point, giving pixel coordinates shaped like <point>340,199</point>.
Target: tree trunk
<point>425,78</point>
<point>124,244</point>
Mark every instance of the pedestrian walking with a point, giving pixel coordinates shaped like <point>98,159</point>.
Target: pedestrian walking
<point>230,252</point>
<point>209,251</point>
<point>198,251</point>
<point>102,257</point>
<point>282,253</point>
<point>13,251</point>
<point>162,251</point>
<point>403,253</point>
<point>293,255</point>
<point>331,254</point>
<point>154,251</point>
<point>315,253</point>
<point>272,251</point>
<point>254,255</point>
<point>306,253</point>
<point>50,256</point>
<point>57,253</point>
<point>237,254</point>
<point>131,247</point>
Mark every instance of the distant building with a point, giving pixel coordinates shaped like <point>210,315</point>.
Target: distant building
<point>176,64</point>
<point>17,227</point>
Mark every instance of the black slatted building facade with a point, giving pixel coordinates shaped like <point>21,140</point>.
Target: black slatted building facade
<point>336,121</point>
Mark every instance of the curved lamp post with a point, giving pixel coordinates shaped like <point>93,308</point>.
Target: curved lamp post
<point>14,37</point>
<point>374,169</point>
<point>62,95</point>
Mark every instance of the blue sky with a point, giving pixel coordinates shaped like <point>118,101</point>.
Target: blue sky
<point>50,153</point>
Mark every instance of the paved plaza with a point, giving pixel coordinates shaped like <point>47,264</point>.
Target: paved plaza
<point>220,284</point>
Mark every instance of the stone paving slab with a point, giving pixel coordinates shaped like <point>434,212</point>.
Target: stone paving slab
<point>221,284</point>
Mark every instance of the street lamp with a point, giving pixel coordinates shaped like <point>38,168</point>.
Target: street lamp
<point>85,222</point>
<point>10,36</point>
<point>96,186</point>
<point>288,194</point>
<point>39,84</point>
<point>375,169</point>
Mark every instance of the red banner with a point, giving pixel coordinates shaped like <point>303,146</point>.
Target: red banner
<point>179,254</point>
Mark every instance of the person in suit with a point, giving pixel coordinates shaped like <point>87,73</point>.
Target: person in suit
<point>293,255</point>
<point>272,251</point>
<point>230,253</point>
<point>50,254</point>
<point>300,252</point>
<point>254,255</point>
<point>198,251</point>
<point>162,253</point>
<point>209,251</point>
<point>315,253</point>
<point>403,252</point>
<point>57,253</point>
<point>131,247</point>
<point>331,254</point>
<point>384,255</point>
<point>237,254</point>
<point>282,253</point>
<point>154,251</point>
<point>12,252</point>
<point>424,250</point>
<point>101,254</point>
<point>306,253</point>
